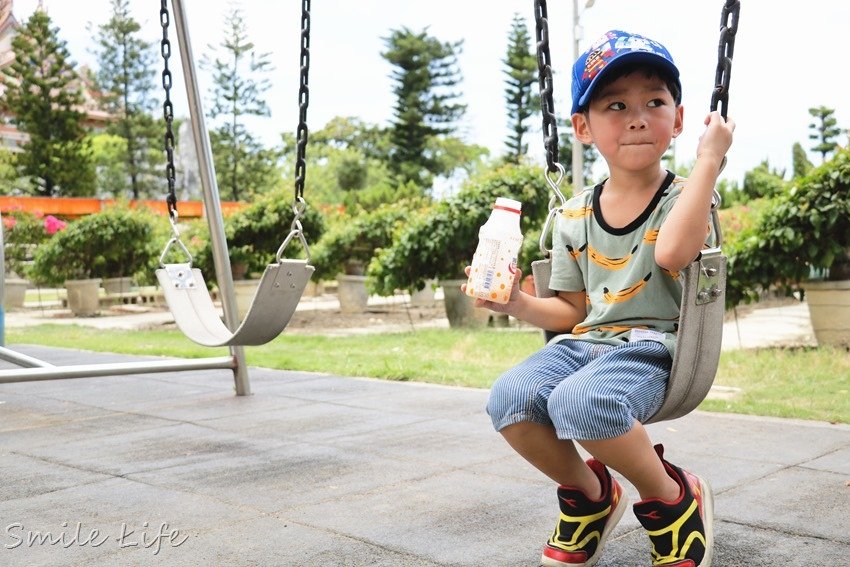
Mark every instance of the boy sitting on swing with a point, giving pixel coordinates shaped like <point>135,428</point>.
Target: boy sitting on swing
<point>617,251</point>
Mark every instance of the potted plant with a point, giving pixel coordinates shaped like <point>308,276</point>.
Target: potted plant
<point>23,232</point>
<point>115,242</point>
<point>348,246</point>
<point>440,243</point>
<point>254,234</point>
<point>800,244</point>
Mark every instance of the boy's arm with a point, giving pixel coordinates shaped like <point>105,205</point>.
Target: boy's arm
<point>560,313</point>
<point>682,234</point>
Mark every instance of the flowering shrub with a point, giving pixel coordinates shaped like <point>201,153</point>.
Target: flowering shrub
<point>23,231</point>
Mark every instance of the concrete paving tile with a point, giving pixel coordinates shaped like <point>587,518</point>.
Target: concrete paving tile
<point>288,476</point>
<point>795,500</point>
<point>123,512</point>
<point>59,432</point>
<point>25,476</point>
<point>129,451</point>
<point>436,518</point>
<point>279,541</point>
<point>837,462</point>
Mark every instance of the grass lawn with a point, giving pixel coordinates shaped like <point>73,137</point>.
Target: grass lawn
<point>799,383</point>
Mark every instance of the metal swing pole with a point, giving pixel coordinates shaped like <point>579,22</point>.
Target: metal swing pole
<point>212,200</point>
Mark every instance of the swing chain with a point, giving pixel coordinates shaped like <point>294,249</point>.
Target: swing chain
<point>303,101</point>
<point>547,106</point>
<point>168,114</point>
<point>728,29</point>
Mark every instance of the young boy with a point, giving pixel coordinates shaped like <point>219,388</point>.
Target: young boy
<point>617,251</point>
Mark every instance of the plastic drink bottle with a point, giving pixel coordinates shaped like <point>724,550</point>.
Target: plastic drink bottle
<point>494,262</point>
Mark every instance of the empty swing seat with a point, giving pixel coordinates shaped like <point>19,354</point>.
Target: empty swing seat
<point>274,303</point>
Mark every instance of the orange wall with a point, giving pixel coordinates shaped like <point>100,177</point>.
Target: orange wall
<point>74,207</point>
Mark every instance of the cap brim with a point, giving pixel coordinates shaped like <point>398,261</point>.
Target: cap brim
<point>620,60</point>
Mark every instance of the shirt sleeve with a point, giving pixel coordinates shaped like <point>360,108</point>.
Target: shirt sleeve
<point>566,271</point>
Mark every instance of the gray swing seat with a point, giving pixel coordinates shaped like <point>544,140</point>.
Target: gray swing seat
<point>274,302</point>
<point>699,334</point>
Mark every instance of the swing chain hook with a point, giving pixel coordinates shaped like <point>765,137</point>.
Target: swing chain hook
<point>298,208</point>
<point>175,239</point>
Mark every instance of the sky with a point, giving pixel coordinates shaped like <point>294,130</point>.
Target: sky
<point>788,57</point>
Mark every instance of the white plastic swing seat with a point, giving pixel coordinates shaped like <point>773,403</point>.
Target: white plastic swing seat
<point>699,335</point>
<point>274,302</point>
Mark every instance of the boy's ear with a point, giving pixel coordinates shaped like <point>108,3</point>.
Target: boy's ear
<point>679,123</point>
<point>581,129</point>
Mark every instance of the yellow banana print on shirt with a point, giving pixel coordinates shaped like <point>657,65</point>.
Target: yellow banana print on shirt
<point>650,236</point>
<point>671,273</point>
<point>626,293</point>
<point>576,253</point>
<point>576,213</point>
<point>609,263</point>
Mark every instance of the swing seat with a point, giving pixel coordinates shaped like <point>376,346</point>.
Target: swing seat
<point>699,335</point>
<point>274,302</point>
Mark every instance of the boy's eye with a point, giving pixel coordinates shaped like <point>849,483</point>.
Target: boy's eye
<point>656,102</point>
<point>617,106</point>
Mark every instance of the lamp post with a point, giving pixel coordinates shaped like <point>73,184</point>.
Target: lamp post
<point>578,149</point>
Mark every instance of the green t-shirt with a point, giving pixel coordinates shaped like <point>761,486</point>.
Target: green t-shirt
<point>629,297</point>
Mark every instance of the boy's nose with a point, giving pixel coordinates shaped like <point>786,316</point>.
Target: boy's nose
<point>637,125</point>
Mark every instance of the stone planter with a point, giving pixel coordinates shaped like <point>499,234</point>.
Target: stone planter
<point>425,296</point>
<point>15,291</point>
<point>829,309</point>
<point>352,293</point>
<point>244,290</point>
<point>83,297</point>
<point>117,285</point>
<point>460,308</point>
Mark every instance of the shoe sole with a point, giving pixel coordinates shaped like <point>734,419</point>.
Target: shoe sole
<point>707,522</point>
<point>616,514</point>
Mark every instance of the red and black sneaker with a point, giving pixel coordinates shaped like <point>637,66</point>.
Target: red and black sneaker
<point>681,532</point>
<point>584,524</point>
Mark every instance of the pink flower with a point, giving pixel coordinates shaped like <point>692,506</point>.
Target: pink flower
<point>9,222</point>
<point>52,225</point>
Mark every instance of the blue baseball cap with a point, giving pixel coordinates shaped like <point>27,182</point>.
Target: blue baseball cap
<point>611,51</point>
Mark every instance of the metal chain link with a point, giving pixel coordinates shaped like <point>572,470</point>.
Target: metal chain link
<point>303,101</point>
<point>547,106</point>
<point>168,112</point>
<point>728,29</point>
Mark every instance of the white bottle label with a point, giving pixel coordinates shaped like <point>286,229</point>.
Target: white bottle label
<point>493,269</point>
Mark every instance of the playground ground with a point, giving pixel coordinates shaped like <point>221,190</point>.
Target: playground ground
<point>314,469</point>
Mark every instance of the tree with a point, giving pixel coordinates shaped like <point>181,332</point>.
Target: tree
<point>126,78</point>
<point>522,101</point>
<point>800,161</point>
<point>243,166</point>
<point>425,75</point>
<point>824,130</point>
<point>762,181</point>
<point>42,93</point>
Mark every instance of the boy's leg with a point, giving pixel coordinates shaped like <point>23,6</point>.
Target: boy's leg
<point>591,502</point>
<point>615,393</point>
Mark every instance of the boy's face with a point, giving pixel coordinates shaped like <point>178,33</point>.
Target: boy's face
<point>631,122</point>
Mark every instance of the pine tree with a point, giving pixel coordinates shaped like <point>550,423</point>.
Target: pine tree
<point>42,93</point>
<point>243,166</point>
<point>520,95</point>
<point>825,130</point>
<point>426,105</point>
<point>126,78</point>
<point>800,161</point>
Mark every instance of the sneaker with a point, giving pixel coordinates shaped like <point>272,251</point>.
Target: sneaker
<point>584,524</point>
<point>681,531</point>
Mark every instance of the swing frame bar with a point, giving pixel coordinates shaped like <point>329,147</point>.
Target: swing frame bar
<point>34,369</point>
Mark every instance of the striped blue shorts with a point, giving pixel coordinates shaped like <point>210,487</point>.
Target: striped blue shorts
<point>587,391</point>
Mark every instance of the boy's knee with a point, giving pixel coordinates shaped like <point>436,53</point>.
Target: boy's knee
<point>514,397</point>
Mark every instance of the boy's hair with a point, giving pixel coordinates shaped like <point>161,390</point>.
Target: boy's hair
<point>613,51</point>
<point>649,70</point>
